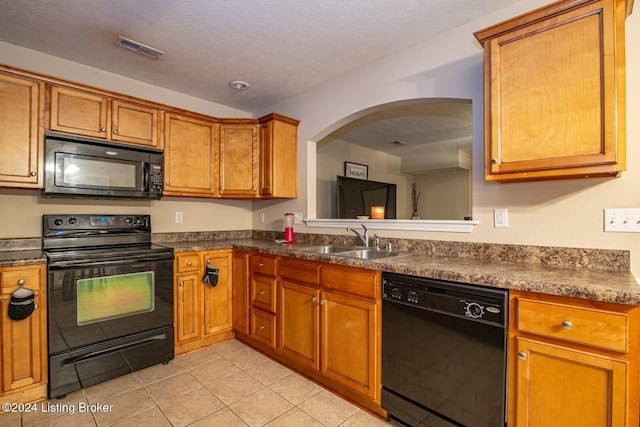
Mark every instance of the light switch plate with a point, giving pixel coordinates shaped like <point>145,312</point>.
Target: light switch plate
<point>622,220</point>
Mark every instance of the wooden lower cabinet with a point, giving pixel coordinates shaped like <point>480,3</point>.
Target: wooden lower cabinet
<point>240,292</point>
<point>23,343</point>
<point>350,342</point>
<point>187,307</point>
<point>299,326</point>
<point>203,314</point>
<point>326,323</point>
<point>570,387</point>
<point>572,362</point>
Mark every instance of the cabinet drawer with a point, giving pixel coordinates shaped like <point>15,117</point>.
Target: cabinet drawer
<point>263,327</point>
<point>604,329</point>
<point>356,281</point>
<point>263,264</point>
<point>263,293</point>
<point>10,279</point>
<point>299,271</point>
<point>187,262</point>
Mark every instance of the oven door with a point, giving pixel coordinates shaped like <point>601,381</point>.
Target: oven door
<point>93,302</point>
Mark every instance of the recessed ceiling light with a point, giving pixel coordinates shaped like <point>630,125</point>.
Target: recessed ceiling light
<point>239,84</point>
<point>138,47</point>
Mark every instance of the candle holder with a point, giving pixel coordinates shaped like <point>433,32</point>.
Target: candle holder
<point>377,212</point>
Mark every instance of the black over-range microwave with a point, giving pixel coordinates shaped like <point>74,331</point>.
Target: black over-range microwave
<point>83,167</point>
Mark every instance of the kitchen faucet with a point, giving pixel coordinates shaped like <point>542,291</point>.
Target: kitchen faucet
<point>364,236</point>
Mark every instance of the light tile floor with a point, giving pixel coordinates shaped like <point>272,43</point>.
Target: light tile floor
<point>228,385</point>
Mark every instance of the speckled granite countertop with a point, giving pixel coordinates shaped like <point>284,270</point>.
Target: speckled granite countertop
<point>618,286</point>
<point>21,257</point>
<point>499,266</point>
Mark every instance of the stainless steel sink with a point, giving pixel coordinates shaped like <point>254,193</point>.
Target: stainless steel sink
<point>327,249</point>
<point>368,254</point>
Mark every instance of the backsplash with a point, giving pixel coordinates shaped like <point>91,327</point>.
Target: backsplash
<point>193,236</point>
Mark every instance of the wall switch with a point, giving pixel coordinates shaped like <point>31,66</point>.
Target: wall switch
<point>622,220</point>
<point>297,218</point>
<point>178,217</point>
<point>261,216</point>
<point>500,218</point>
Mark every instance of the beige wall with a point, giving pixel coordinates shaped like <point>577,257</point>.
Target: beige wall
<point>559,213</point>
<point>21,211</point>
<point>444,194</point>
<point>562,213</point>
<point>382,167</point>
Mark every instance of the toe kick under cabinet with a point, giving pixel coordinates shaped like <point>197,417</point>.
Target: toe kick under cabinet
<point>572,362</point>
<point>321,319</point>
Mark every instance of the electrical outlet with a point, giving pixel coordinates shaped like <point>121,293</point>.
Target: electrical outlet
<point>178,217</point>
<point>500,218</point>
<point>622,220</point>
<point>297,218</point>
<point>261,216</point>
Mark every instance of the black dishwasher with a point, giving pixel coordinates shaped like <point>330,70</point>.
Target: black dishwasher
<point>443,352</point>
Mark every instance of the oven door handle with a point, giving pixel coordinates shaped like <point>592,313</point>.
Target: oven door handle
<point>107,261</point>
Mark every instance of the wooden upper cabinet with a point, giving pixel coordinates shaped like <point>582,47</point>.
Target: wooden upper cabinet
<point>99,116</point>
<point>238,161</point>
<point>134,124</point>
<point>21,131</point>
<point>278,156</point>
<point>79,112</point>
<point>190,146</point>
<point>555,93</point>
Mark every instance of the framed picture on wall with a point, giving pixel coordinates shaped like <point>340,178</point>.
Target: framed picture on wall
<point>356,170</point>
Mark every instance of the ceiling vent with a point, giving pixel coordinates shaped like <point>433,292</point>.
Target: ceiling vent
<point>138,47</point>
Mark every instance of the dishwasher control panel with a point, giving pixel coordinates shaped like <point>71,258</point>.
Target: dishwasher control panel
<point>456,299</point>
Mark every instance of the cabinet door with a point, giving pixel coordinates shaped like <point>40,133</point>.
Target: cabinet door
<point>79,112</point>
<point>278,156</point>
<point>564,387</point>
<point>187,310</point>
<point>217,309</point>
<point>24,351</point>
<point>21,101</point>
<point>238,161</point>
<point>556,95</point>
<point>189,152</point>
<point>350,342</point>
<point>134,124</point>
<point>299,322</point>
<point>241,291</point>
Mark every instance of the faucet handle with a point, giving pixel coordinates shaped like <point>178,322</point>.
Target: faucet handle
<point>376,241</point>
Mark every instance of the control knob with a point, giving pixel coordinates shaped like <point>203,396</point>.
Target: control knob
<point>129,220</point>
<point>474,310</point>
<point>413,297</point>
<point>72,220</point>
<point>58,221</point>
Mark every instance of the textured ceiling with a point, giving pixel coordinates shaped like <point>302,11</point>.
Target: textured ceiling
<point>282,47</point>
